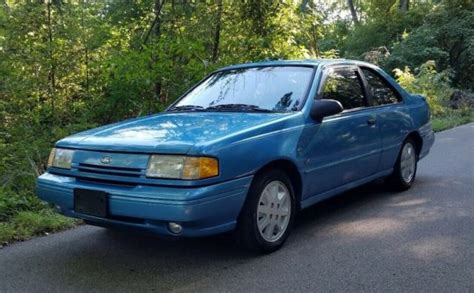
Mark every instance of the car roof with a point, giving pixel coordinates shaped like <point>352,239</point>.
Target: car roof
<point>305,62</point>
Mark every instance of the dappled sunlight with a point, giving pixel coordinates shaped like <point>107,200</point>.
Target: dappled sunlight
<point>432,248</point>
<point>174,128</point>
<point>139,133</point>
<point>445,183</point>
<point>370,227</point>
<point>445,139</point>
<point>408,202</point>
<point>412,209</point>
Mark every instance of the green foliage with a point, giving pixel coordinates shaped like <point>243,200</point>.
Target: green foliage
<point>429,83</point>
<point>447,37</point>
<point>27,224</point>
<point>7,233</point>
<point>11,203</point>
<point>23,216</point>
<point>452,119</point>
<point>384,26</point>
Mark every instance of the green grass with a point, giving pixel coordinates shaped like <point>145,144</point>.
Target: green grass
<point>452,120</point>
<point>27,224</point>
<point>24,215</point>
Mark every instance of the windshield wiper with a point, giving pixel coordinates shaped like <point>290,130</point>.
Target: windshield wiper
<point>239,108</point>
<point>187,108</point>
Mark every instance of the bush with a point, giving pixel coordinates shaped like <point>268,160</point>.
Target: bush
<point>25,215</point>
<point>7,233</point>
<point>435,86</point>
<point>453,119</point>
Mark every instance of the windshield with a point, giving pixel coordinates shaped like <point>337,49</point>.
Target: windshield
<point>265,89</point>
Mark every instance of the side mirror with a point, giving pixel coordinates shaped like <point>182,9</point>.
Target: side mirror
<point>323,108</point>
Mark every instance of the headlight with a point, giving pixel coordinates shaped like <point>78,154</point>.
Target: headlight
<point>182,167</point>
<point>60,158</point>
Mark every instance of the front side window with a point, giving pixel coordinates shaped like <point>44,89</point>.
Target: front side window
<point>274,88</point>
<point>344,85</point>
<point>382,94</point>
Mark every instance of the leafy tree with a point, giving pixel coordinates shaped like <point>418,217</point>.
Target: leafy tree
<point>446,36</point>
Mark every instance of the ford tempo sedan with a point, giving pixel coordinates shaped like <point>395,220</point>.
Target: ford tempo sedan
<point>245,150</point>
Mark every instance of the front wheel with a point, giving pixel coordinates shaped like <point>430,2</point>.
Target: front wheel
<point>404,172</point>
<point>268,213</point>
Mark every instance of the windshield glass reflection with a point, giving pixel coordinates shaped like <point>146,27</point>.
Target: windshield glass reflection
<point>275,88</point>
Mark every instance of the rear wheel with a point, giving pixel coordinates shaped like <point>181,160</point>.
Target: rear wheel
<point>404,172</point>
<point>268,213</point>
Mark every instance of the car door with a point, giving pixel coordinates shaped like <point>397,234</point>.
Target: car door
<point>345,147</point>
<point>392,116</point>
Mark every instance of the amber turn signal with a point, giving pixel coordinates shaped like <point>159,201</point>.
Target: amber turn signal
<point>200,168</point>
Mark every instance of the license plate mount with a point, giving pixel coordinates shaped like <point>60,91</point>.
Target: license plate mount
<point>91,202</point>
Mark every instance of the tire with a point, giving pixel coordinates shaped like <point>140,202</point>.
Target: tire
<point>404,172</point>
<point>270,197</point>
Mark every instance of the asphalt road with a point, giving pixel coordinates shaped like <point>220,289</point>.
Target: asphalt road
<point>368,239</point>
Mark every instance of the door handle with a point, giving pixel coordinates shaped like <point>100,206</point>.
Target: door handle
<point>371,121</point>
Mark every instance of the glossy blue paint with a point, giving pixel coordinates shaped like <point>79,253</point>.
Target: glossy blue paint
<point>205,210</point>
<point>331,156</point>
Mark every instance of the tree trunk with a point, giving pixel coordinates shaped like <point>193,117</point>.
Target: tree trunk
<point>156,24</point>
<point>404,5</point>
<point>158,7</point>
<point>217,33</point>
<point>314,33</point>
<point>52,67</point>
<point>350,3</point>
<point>157,33</point>
<point>84,40</point>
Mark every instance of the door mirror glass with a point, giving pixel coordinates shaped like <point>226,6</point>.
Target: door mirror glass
<point>324,108</point>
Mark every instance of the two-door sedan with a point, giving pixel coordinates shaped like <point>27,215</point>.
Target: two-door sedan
<point>245,149</point>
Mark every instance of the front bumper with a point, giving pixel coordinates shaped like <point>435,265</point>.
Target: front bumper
<point>200,210</point>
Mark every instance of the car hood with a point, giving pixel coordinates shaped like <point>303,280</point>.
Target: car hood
<point>168,132</point>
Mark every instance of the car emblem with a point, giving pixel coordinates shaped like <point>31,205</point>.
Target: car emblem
<point>106,160</point>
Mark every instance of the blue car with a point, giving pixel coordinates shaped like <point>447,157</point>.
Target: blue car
<point>245,149</point>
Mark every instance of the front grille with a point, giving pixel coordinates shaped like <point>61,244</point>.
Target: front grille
<point>105,182</point>
<point>109,170</point>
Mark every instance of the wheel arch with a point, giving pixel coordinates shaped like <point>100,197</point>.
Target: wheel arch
<point>416,137</point>
<point>291,170</point>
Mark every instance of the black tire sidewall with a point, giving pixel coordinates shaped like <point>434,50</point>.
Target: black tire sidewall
<point>248,223</point>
